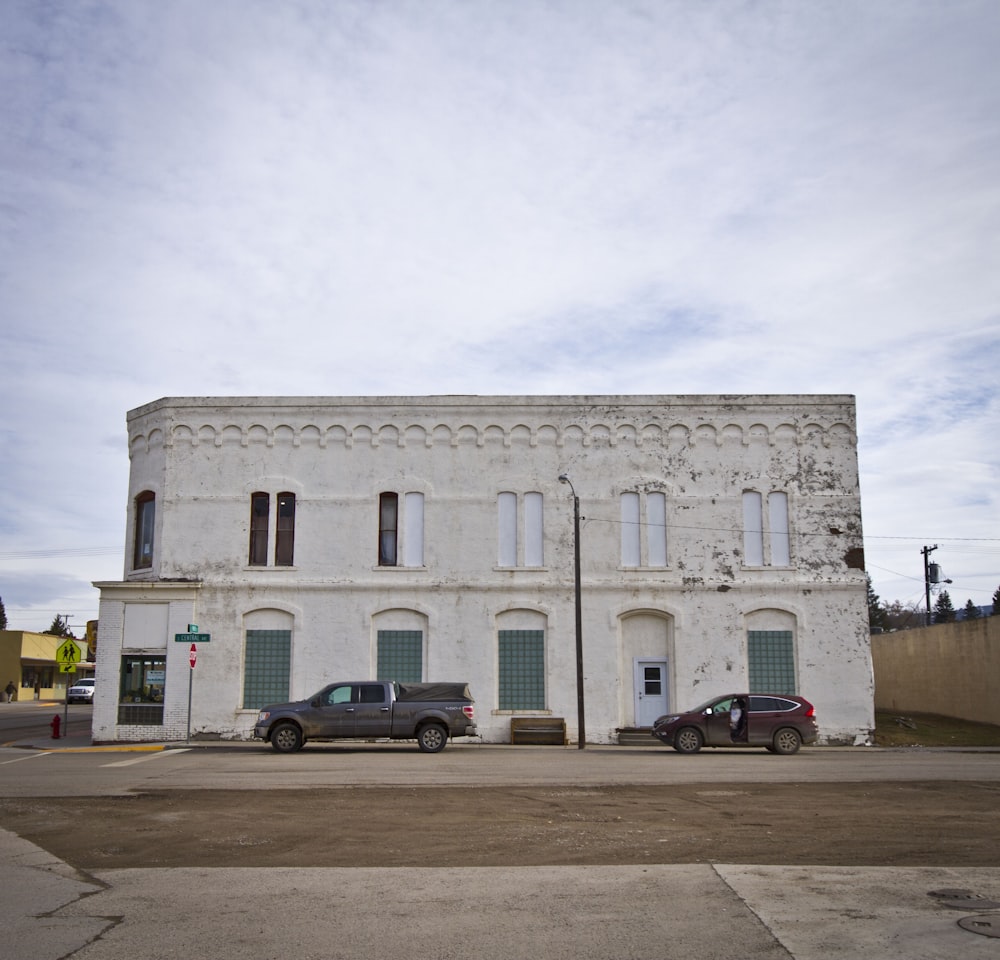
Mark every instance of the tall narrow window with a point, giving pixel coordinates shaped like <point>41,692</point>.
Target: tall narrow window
<point>260,508</point>
<point>656,529</point>
<point>777,522</point>
<point>284,540</point>
<point>388,519</point>
<point>507,530</point>
<point>533,530</point>
<point>631,556</point>
<point>413,530</point>
<point>753,529</point>
<point>145,516</point>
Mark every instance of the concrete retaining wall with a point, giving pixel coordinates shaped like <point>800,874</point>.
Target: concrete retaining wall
<point>951,669</point>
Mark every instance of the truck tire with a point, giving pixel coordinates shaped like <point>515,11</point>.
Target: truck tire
<point>286,738</point>
<point>432,738</point>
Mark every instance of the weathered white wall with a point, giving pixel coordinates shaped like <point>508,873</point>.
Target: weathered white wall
<point>204,457</point>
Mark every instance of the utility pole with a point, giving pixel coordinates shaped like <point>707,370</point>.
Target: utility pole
<point>927,551</point>
<point>581,737</point>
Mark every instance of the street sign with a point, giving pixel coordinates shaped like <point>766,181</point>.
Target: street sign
<point>192,637</point>
<point>194,655</point>
<point>192,628</point>
<point>67,668</point>
<point>69,652</point>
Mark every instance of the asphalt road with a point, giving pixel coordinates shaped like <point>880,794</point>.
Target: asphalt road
<point>495,852</point>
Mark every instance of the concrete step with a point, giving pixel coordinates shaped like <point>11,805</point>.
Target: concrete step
<point>637,737</point>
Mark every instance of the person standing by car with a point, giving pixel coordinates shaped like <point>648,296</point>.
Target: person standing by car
<point>738,720</point>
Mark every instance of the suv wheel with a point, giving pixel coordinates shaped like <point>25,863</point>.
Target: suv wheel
<point>787,741</point>
<point>688,740</point>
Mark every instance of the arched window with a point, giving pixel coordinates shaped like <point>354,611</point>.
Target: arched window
<point>284,540</point>
<point>401,538</point>
<point>260,509</point>
<point>388,528</point>
<point>520,543</point>
<point>145,517</point>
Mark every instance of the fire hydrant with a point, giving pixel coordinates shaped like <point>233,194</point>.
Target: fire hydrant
<point>55,724</point>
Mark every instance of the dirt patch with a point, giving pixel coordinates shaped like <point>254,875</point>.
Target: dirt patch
<point>932,730</point>
<point>900,824</point>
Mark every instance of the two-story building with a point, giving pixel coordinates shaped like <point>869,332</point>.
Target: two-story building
<point>430,538</point>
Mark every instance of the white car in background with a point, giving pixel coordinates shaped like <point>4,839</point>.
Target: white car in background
<point>82,691</point>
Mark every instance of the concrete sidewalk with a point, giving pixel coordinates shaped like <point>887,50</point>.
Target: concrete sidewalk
<point>701,911</point>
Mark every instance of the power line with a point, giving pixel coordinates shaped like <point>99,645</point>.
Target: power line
<point>54,553</point>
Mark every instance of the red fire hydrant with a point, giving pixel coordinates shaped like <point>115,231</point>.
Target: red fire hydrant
<point>55,724</point>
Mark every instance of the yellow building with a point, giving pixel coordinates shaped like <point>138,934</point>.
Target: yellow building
<point>31,662</point>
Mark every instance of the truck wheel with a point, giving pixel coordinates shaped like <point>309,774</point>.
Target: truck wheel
<point>432,738</point>
<point>688,740</point>
<point>286,738</point>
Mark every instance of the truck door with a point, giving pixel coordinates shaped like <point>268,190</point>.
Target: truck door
<point>373,713</point>
<point>337,712</point>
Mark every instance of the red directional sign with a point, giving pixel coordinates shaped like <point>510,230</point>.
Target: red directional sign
<point>194,655</point>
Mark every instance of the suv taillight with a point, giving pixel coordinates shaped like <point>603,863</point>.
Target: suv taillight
<point>468,710</point>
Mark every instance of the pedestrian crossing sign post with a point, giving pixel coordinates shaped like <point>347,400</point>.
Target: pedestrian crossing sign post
<point>68,656</point>
<point>68,653</point>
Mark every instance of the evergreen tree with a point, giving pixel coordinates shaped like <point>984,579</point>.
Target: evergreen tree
<point>877,619</point>
<point>3,614</point>
<point>972,612</point>
<point>60,627</point>
<point>996,601</point>
<point>944,612</point>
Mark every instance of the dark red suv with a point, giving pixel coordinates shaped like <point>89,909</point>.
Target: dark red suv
<point>777,722</point>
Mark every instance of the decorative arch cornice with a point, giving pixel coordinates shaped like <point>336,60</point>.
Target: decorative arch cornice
<point>650,430</point>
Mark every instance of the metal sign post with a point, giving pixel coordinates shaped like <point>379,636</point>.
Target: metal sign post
<point>193,659</point>
<point>68,656</point>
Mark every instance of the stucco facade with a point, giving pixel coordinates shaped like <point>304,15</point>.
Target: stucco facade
<point>339,538</point>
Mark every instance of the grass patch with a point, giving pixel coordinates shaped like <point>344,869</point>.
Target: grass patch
<point>931,730</point>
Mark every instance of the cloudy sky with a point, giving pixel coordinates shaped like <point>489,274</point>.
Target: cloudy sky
<point>339,197</point>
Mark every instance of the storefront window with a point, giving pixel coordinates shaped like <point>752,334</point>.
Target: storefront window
<point>142,686</point>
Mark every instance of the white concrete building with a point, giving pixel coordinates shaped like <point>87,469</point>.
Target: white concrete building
<point>317,538</point>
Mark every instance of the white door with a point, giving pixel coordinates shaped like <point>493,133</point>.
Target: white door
<point>650,691</point>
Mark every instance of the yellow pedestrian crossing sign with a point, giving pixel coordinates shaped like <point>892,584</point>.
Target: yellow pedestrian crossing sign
<point>69,652</point>
<point>67,668</point>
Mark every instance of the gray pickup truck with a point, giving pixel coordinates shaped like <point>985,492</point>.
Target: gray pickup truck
<point>429,713</point>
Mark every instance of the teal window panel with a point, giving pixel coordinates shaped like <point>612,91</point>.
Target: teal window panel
<point>522,669</point>
<point>771,661</point>
<point>400,655</point>
<point>266,667</point>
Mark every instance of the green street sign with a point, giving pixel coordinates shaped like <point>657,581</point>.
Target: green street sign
<point>192,637</point>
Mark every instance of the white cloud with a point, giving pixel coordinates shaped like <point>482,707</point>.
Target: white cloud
<point>253,198</point>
